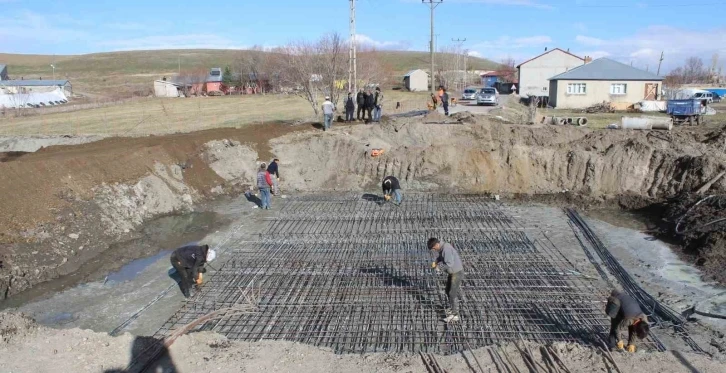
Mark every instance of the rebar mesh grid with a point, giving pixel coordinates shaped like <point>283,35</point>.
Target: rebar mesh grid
<point>347,273</point>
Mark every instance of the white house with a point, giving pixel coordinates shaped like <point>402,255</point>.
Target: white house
<point>535,72</point>
<point>165,88</point>
<point>36,86</point>
<point>416,80</point>
<point>603,80</point>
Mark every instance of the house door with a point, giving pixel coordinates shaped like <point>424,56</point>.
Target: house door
<point>651,91</point>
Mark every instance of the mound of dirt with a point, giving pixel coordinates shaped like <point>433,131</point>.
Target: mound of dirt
<point>698,223</point>
<point>14,326</point>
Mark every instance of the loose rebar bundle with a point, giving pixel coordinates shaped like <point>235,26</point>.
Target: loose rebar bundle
<point>355,275</point>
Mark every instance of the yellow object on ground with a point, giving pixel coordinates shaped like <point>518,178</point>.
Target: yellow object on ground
<point>621,345</point>
<point>387,197</point>
<point>200,279</point>
<point>433,265</point>
<point>631,348</point>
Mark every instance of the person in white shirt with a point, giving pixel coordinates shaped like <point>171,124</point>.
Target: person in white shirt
<point>328,111</point>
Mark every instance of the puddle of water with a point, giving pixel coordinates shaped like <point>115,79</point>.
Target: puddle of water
<point>158,238</point>
<point>686,274</point>
<point>133,269</point>
<point>60,318</point>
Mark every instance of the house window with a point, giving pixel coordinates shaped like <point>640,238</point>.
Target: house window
<point>576,88</point>
<point>618,89</point>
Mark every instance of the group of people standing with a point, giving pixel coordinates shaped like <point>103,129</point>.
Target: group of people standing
<point>368,102</point>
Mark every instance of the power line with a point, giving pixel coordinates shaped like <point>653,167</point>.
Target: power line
<point>352,64</point>
<point>432,4</point>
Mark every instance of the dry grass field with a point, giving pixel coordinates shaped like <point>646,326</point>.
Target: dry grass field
<point>170,115</point>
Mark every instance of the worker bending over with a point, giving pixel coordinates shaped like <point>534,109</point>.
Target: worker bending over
<point>392,186</point>
<point>448,260</point>
<point>189,263</point>
<point>624,310</point>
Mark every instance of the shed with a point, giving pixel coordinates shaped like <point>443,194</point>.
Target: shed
<point>36,86</point>
<point>165,88</point>
<point>416,80</point>
<point>4,72</point>
<point>603,80</point>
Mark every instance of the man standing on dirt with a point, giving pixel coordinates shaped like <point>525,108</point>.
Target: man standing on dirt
<point>624,310</point>
<point>188,261</point>
<point>273,170</point>
<point>392,186</point>
<point>370,104</point>
<point>349,108</point>
<point>448,260</point>
<point>328,111</point>
<point>361,101</point>
<point>444,100</point>
<point>264,183</point>
<point>378,108</point>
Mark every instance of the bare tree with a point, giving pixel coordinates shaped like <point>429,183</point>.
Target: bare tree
<point>694,71</point>
<point>371,67</point>
<point>446,66</point>
<point>315,69</point>
<point>192,81</point>
<point>509,69</point>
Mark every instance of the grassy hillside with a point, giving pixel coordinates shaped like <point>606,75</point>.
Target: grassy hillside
<point>120,74</point>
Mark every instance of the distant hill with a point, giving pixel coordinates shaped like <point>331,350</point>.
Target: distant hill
<point>120,74</point>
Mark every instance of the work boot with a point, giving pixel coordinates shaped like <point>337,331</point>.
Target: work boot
<point>452,318</point>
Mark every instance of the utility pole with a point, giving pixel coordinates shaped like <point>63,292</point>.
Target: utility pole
<point>352,65</point>
<point>432,4</point>
<point>659,62</point>
<point>458,55</point>
<point>466,72</point>
<point>179,60</point>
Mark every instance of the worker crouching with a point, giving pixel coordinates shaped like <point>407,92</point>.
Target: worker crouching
<point>189,263</point>
<point>392,186</point>
<point>625,311</point>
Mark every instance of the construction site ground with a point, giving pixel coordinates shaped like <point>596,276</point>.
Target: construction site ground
<point>87,229</point>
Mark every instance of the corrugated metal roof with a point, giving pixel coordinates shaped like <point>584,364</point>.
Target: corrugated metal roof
<point>413,71</point>
<point>606,69</point>
<point>32,83</point>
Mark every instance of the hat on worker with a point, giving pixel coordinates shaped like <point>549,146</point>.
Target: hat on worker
<point>211,254</point>
<point>327,97</point>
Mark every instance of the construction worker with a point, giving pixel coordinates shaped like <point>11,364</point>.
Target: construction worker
<point>274,170</point>
<point>370,104</point>
<point>391,186</point>
<point>624,310</point>
<point>444,100</point>
<point>448,260</point>
<point>378,105</point>
<point>264,183</point>
<point>361,101</point>
<point>349,108</point>
<point>328,111</point>
<point>189,264</point>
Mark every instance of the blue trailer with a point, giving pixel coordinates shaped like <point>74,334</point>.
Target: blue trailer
<point>685,110</point>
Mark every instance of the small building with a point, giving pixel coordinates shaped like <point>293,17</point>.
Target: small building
<point>416,80</point>
<point>4,72</point>
<point>214,81</point>
<point>36,86</point>
<point>603,80</point>
<point>533,73</point>
<point>165,88</point>
<point>489,78</point>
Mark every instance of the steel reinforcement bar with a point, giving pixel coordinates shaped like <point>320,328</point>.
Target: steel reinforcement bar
<point>352,275</point>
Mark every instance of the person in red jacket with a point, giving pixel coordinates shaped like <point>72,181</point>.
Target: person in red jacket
<point>264,183</point>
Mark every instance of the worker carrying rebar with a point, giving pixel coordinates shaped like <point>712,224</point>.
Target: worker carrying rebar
<point>391,186</point>
<point>189,263</point>
<point>448,260</point>
<point>624,310</point>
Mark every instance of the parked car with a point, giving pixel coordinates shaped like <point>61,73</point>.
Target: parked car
<point>716,97</point>
<point>469,94</point>
<point>487,96</point>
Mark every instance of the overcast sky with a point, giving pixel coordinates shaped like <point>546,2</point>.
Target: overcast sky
<point>628,31</point>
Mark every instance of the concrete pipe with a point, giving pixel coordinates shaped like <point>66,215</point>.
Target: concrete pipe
<point>646,123</point>
<point>582,121</point>
<point>569,120</point>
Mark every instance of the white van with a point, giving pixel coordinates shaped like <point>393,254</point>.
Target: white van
<point>703,95</point>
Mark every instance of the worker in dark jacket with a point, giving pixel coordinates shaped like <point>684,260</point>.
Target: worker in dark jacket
<point>625,311</point>
<point>448,260</point>
<point>361,101</point>
<point>370,104</point>
<point>189,264</point>
<point>349,108</point>
<point>392,186</point>
<point>274,170</point>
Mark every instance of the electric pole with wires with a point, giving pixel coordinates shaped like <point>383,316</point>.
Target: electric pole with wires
<point>432,4</point>
<point>352,65</point>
